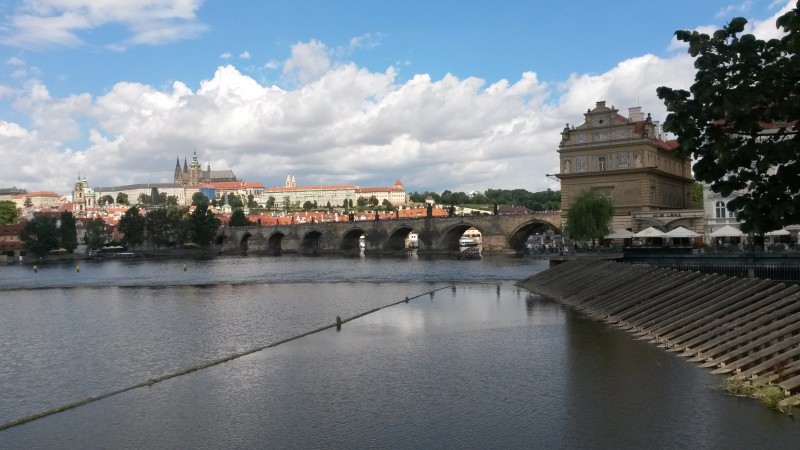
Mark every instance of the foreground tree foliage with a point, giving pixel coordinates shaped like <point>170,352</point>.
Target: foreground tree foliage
<point>40,235</point>
<point>202,225</point>
<point>589,216</point>
<point>740,119</point>
<point>68,232</point>
<point>9,214</point>
<point>238,219</point>
<point>132,225</point>
<point>95,235</point>
<point>164,226</point>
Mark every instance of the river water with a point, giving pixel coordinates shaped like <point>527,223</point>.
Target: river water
<point>479,363</point>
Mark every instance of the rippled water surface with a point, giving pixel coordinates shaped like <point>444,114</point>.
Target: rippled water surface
<point>479,363</point>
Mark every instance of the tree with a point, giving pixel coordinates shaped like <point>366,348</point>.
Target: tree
<point>95,235</point>
<point>122,199</point>
<point>105,199</point>
<point>387,205</point>
<point>238,219</point>
<point>9,213</point>
<point>308,206</point>
<point>171,200</point>
<point>202,225</point>
<point>251,201</point>
<point>198,198</point>
<point>163,226</point>
<point>145,199</point>
<point>28,203</point>
<point>361,201</point>
<point>697,196</point>
<point>589,216</point>
<point>40,235</point>
<point>740,119</point>
<point>68,232</point>
<point>270,202</point>
<point>132,226</point>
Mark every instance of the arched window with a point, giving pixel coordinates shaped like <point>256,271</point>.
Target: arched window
<point>720,210</point>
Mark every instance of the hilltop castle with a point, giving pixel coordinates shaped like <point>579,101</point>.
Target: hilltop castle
<point>193,174</point>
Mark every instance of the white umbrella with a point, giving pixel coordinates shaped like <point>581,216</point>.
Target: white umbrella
<point>649,233</point>
<point>726,231</point>
<point>620,234</point>
<point>680,232</point>
<point>780,232</point>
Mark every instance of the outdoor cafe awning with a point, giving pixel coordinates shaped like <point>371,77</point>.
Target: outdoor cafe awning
<point>620,234</point>
<point>726,231</point>
<point>649,232</point>
<point>680,232</point>
<point>781,232</point>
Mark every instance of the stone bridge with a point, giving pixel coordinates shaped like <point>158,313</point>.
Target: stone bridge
<point>500,234</point>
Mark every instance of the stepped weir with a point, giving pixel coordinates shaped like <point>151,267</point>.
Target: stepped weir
<point>748,329</point>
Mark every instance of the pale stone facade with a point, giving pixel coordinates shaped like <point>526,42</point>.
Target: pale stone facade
<point>626,159</point>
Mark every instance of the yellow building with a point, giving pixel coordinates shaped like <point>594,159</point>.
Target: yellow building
<point>626,160</point>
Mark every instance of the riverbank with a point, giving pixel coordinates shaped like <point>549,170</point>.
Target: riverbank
<point>743,328</point>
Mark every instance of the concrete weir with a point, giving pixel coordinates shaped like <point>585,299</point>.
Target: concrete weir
<point>748,329</point>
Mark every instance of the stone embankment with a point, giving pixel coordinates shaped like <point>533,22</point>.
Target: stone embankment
<point>747,329</point>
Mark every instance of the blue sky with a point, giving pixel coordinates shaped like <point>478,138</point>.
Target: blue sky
<point>460,95</point>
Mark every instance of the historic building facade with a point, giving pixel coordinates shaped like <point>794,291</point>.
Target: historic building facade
<point>193,174</point>
<point>626,160</point>
<point>292,194</point>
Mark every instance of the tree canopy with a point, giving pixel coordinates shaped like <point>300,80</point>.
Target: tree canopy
<point>68,231</point>
<point>548,200</point>
<point>9,213</point>
<point>132,225</point>
<point>95,235</point>
<point>202,225</point>
<point>739,119</point>
<point>588,217</point>
<point>40,235</point>
<point>238,219</point>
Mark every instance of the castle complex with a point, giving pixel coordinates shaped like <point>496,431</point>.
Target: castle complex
<point>193,174</point>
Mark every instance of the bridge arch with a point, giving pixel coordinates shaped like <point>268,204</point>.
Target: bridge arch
<point>397,238</point>
<point>274,243</point>
<point>452,235</point>
<point>310,244</point>
<point>243,242</point>
<point>519,237</point>
<point>350,241</point>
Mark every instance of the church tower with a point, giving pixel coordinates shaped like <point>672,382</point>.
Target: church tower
<point>195,171</point>
<point>78,198</point>
<point>178,172</point>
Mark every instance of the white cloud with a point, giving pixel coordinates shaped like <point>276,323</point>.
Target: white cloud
<point>341,124</point>
<point>56,23</point>
<point>739,9</point>
<point>244,55</point>
<point>226,55</point>
<point>309,61</point>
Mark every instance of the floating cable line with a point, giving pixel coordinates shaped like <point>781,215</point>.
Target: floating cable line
<point>205,365</point>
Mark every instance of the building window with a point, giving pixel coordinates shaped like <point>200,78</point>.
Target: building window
<point>601,163</point>
<point>720,210</point>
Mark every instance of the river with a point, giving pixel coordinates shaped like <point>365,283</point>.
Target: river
<point>474,362</point>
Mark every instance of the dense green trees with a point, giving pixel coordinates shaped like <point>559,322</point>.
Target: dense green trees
<point>164,226</point>
<point>270,202</point>
<point>68,232</point>
<point>106,199</point>
<point>40,235</point>
<point>589,216</point>
<point>198,198</point>
<point>95,235</point>
<point>9,213</point>
<point>739,119</point>
<point>548,200</point>
<point>122,199</point>
<point>238,219</point>
<point>202,226</point>
<point>132,226</point>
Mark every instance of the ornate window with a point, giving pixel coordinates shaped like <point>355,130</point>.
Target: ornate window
<point>602,163</point>
<point>720,209</point>
<point>581,164</point>
<point>623,159</point>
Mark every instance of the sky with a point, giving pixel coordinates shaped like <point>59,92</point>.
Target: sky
<point>460,95</point>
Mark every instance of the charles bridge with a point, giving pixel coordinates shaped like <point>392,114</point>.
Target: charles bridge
<point>500,234</point>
